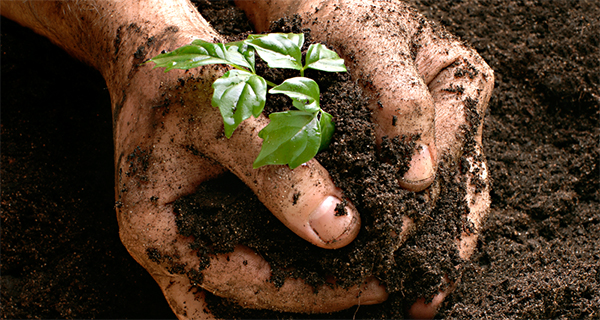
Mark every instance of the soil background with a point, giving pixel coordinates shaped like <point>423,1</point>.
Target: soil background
<point>539,256</point>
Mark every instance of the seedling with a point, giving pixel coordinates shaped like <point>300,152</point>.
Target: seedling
<point>292,137</point>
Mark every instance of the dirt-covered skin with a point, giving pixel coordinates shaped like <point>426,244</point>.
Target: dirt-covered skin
<point>539,253</point>
<point>168,139</point>
<point>218,221</point>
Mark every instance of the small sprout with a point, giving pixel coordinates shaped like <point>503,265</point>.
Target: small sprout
<point>292,137</point>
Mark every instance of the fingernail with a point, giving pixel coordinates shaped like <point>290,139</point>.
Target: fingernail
<point>420,174</point>
<point>331,224</point>
<point>373,292</point>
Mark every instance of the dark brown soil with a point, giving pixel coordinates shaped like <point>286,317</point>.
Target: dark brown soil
<point>537,258</point>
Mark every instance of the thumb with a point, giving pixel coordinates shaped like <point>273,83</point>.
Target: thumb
<point>304,199</point>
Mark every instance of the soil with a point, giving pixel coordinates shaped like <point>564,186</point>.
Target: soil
<point>538,256</point>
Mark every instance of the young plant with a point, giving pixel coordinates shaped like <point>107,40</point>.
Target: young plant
<point>292,137</point>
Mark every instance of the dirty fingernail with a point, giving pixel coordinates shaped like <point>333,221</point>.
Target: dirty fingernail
<point>332,224</point>
<point>420,174</point>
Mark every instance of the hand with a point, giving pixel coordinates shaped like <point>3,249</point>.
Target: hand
<point>168,140</point>
<point>420,78</point>
<point>164,153</point>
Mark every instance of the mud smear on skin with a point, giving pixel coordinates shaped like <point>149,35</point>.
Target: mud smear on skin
<point>224,212</point>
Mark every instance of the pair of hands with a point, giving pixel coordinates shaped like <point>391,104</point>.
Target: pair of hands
<point>421,82</point>
<point>168,138</point>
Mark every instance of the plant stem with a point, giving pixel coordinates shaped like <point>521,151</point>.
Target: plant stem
<point>271,84</point>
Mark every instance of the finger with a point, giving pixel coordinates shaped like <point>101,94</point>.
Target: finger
<point>404,108</point>
<point>478,200</point>
<point>186,301</point>
<point>380,57</point>
<point>461,84</point>
<point>427,310</point>
<point>423,310</point>
<point>400,102</point>
<point>244,277</point>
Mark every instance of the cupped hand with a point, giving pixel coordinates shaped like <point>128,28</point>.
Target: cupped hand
<point>168,140</point>
<point>423,82</point>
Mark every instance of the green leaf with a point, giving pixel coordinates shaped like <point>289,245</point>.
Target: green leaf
<point>279,50</point>
<point>298,38</point>
<point>292,137</point>
<point>320,58</point>
<point>238,95</point>
<point>327,127</point>
<point>199,53</point>
<point>303,91</point>
<point>239,53</point>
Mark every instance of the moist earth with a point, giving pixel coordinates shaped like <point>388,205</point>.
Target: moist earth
<point>537,257</point>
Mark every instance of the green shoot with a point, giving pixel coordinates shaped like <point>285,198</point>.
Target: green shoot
<point>292,137</point>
